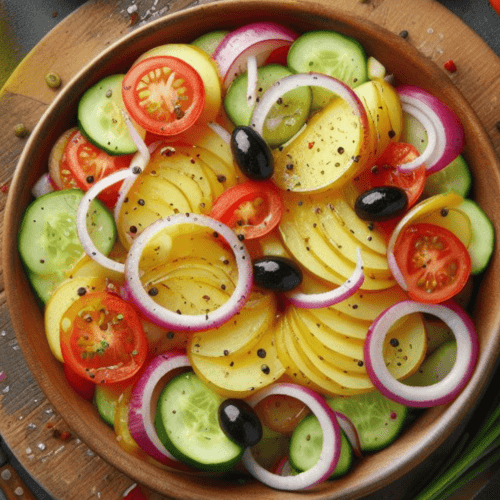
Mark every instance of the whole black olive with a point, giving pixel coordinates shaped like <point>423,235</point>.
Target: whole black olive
<point>252,154</point>
<point>276,273</point>
<point>381,203</point>
<point>239,422</point>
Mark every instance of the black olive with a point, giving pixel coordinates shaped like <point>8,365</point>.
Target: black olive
<point>252,154</point>
<point>381,203</point>
<point>276,273</point>
<point>239,422</point>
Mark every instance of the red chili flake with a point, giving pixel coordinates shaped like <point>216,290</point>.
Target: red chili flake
<point>394,415</point>
<point>65,435</point>
<point>4,188</point>
<point>310,145</point>
<point>450,66</point>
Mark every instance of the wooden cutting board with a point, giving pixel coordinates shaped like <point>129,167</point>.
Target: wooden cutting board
<point>58,460</point>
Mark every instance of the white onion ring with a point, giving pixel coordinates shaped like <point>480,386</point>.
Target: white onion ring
<point>326,299</point>
<point>141,413</point>
<point>221,132</point>
<point>188,322</point>
<point>330,452</point>
<point>81,219</point>
<point>287,83</point>
<point>252,80</point>
<point>436,394</point>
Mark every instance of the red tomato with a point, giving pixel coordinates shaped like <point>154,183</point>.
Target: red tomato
<point>496,5</point>
<point>83,164</point>
<point>135,494</point>
<point>102,338</point>
<point>82,386</point>
<point>252,209</point>
<point>163,94</point>
<point>386,173</point>
<point>434,262</point>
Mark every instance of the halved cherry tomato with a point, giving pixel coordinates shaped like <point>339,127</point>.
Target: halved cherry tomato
<point>83,164</point>
<point>163,94</point>
<point>434,262</point>
<point>81,385</point>
<point>102,338</point>
<point>252,209</point>
<point>385,172</point>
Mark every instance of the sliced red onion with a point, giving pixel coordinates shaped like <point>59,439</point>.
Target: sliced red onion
<point>284,468</point>
<point>447,127</point>
<point>252,80</point>
<point>138,141</point>
<point>188,322</point>
<point>255,39</point>
<point>42,186</point>
<point>351,432</point>
<point>287,83</point>
<point>432,395</point>
<point>326,299</point>
<point>330,452</point>
<point>221,132</point>
<point>142,410</point>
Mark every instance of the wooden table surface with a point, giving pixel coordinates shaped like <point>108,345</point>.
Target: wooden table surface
<point>63,464</point>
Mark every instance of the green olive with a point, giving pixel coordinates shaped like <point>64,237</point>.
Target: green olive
<point>53,80</point>
<point>20,130</point>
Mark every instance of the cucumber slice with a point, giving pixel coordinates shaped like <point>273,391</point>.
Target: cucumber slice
<point>436,366</point>
<point>48,238</point>
<point>454,176</point>
<point>187,425</point>
<point>210,41</point>
<point>285,118</point>
<point>483,235</point>
<point>305,448</point>
<point>330,53</point>
<point>43,286</point>
<point>378,420</point>
<point>101,120</point>
<point>105,400</point>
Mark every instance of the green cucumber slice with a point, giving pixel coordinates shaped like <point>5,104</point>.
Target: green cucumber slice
<point>105,400</point>
<point>306,444</point>
<point>436,366</point>
<point>187,425</point>
<point>285,118</point>
<point>455,175</point>
<point>330,53</point>
<point>210,41</point>
<point>483,235</point>
<point>100,117</point>
<point>378,420</point>
<point>48,239</point>
<point>43,286</point>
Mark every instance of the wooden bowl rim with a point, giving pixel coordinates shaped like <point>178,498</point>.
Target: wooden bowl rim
<point>57,392</point>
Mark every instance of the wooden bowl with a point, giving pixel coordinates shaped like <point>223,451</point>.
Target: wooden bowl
<point>425,438</point>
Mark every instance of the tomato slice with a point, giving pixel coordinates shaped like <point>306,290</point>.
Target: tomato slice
<point>83,164</point>
<point>252,209</point>
<point>385,172</point>
<point>163,94</point>
<point>82,386</point>
<point>102,338</point>
<point>434,262</point>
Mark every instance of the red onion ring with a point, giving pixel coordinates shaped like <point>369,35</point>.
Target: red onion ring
<point>351,432</point>
<point>330,452</point>
<point>326,299</point>
<point>221,132</point>
<point>141,411</point>
<point>43,186</point>
<point>436,394</point>
<point>188,322</point>
<point>257,39</point>
<point>448,130</point>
